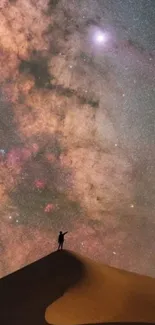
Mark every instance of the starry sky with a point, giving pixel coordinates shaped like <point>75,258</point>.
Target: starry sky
<point>77,131</point>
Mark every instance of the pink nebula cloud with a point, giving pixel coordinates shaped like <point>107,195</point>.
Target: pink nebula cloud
<point>39,184</point>
<point>49,207</point>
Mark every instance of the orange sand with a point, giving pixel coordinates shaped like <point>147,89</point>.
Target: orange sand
<point>105,294</point>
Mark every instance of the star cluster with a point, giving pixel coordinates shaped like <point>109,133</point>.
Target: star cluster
<point>77,130</point>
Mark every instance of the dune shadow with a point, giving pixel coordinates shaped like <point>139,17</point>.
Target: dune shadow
<point>26,293</point>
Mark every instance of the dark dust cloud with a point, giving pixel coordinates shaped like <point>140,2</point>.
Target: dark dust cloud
<point>77,131</point>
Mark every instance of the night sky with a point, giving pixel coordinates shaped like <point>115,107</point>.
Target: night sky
<point>77,131</point>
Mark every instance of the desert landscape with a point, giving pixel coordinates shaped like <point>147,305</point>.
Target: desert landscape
<point>64,288</point>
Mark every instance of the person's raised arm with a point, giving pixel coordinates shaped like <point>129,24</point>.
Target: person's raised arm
<point>65,233</point>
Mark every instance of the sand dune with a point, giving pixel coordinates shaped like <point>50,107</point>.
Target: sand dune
<point>25,294</point>
<point>65,288</point>
<point>105,294</point>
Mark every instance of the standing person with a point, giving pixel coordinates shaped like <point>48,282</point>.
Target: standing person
<point>61,239</point>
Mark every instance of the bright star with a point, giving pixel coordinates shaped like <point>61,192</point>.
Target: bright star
<point>100,37</point>
<point>2,151</point>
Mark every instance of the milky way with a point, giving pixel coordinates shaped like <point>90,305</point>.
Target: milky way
<point>77,131</point>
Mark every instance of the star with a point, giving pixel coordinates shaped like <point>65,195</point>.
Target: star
<point>100,37</point>
<point>2,152</point>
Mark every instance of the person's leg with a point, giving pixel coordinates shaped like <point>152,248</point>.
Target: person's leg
<point>59,246</point>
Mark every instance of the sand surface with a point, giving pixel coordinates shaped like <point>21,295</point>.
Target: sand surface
<point>64,288</point>
<point>105,294</point>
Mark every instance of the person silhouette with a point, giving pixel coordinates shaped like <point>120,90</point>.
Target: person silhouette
<point>61,240</point>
